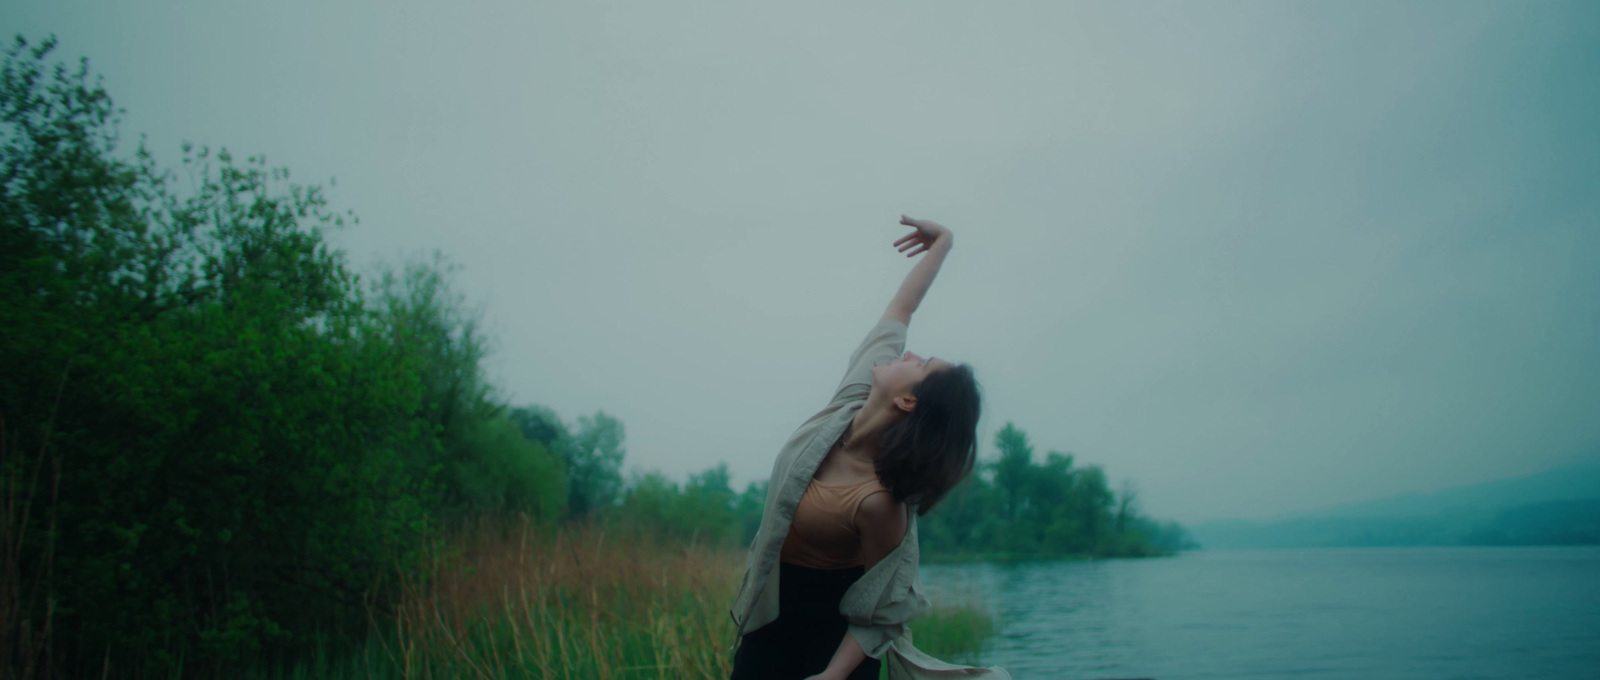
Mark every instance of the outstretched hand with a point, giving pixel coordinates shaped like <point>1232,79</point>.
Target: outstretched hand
<point>926,234</point>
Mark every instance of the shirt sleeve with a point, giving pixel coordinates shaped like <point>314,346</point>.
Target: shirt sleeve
<point>875,639</point>
<point>883,344</point>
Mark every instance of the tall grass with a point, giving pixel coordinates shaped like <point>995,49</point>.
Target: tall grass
<point>956,632</point>
<point>515,601</point>
<point>522,602</point>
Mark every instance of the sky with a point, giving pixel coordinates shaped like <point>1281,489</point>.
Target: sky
<point>1255,258</point>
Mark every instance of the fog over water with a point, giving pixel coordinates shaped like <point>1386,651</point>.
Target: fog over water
<point>1257,257</point>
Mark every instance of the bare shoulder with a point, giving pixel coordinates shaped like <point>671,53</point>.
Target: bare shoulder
<point>881,519</point>
<point>882,523</point>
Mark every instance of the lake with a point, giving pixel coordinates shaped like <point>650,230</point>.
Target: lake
<point>1375,613</point>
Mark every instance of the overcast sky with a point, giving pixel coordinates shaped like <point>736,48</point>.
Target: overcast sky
<point>1256,257</point>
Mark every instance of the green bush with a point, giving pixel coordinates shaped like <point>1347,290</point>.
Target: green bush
<point>219,447</point>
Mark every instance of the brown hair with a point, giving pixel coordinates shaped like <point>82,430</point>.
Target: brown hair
<point>925,454</point>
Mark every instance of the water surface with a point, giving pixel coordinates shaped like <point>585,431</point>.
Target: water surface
<point>1384,613</point>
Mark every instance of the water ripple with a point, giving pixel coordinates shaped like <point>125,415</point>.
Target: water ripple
<point>1395,614</point>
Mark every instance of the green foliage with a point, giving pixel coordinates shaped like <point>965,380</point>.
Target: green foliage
<point>1025,509</point>
<point>749,506</point>
<point>217,446</point>
<point>505,472</point>
<point>593,455</point>
<point>477,457</point>
<point>958,633</point>
<point>539,424</point>
<point>703,510</point>
<point>1011,476</point>
<point>200,386</point>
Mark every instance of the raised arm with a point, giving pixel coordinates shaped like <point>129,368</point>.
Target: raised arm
<point>932,238</point>
<point>887,340</point>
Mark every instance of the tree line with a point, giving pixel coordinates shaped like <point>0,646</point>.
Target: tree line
<point>221,445</point>
<point>1013,506</point>
<point>1022,507</point>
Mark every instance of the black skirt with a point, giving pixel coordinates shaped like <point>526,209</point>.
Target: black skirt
<point>807,632</point>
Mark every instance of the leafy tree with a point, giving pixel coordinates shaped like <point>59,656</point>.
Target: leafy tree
<point>593,457</point>
<point>967,520</point>
<point>1091,504</point>
<point>1054,508</point>
<point>1127,501</point>
<point>710,496</point>
<point>749,506</point>
<point>540,424</point>
<point>424,319</point>
<point>216,446</point>
<point>1011,470</point>
<point>702,510</point>
<point>713,482</point>
<point>481,456</point>
<point>1051,490</point>
<point>506,472</point>
<point>198,382</point>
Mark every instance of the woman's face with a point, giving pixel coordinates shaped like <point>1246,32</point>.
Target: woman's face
<point>900,376</point>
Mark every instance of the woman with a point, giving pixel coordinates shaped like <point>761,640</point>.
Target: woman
<point>831,579</point>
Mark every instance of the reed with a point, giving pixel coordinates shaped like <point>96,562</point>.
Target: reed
<point>514,601</point>
<point>520,601</point>
<point>958,632</point>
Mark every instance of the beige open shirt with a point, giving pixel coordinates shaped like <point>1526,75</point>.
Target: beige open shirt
<point>888,596</point>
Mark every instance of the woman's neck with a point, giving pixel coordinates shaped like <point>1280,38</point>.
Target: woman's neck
<point>866,429</point>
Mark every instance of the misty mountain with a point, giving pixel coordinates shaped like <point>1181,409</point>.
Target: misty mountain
<point>1558,507</point>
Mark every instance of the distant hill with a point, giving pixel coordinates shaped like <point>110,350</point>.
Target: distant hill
<point>1559,507</point>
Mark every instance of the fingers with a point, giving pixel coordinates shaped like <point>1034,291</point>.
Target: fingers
<point>914,243</point>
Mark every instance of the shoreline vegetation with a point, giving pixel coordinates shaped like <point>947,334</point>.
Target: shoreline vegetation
<point>1019,558</point>
<point>514,599</point>
<point>224,451</point>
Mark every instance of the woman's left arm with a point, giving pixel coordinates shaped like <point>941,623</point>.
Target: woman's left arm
<point>882,523</point>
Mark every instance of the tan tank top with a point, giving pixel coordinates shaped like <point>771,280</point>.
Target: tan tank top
<point>823,534</point>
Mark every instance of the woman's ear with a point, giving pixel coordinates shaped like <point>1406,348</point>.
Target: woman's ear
<point>905,403</point>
